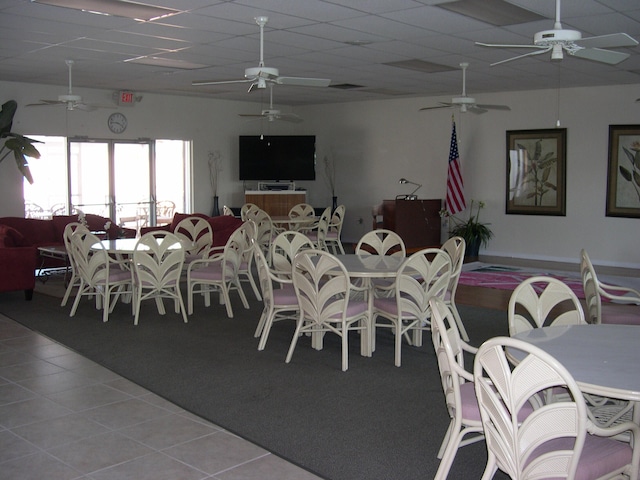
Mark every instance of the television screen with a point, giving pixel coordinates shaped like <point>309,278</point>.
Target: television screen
<point>277,157</point>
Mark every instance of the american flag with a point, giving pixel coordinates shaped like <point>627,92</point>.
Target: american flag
<point>454,201</point>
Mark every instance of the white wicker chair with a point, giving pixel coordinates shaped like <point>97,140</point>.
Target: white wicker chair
<point>557,440</point>
<point>455,247</point>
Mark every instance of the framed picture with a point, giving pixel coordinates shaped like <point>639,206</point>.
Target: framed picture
<point>623,178</point>
<point>536,171</point>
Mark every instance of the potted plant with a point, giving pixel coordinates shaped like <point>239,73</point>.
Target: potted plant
<point>21,146</point>
<point>472,230</point>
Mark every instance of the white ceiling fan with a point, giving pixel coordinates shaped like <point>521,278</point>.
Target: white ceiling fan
<point>559,40</point>
<point>467,104</point>
<point>272,114</point>
<point>71,101</point>
<point>259,76</point>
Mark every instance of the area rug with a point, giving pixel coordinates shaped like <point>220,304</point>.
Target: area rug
<point>500,278</point>
<point>375,421</point>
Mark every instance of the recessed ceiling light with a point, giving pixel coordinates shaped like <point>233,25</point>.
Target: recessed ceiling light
<point>118,8</point>
<point>495,12</point>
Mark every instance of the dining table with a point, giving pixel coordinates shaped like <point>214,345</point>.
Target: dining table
<point>369,267</point>
<point>603,359</point>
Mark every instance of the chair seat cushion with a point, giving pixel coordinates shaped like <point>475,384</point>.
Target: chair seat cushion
<point>469,401</point>
<point>599,456</point>
<point>285,295</point>
<point>354,308</point>
<point>211,273</point>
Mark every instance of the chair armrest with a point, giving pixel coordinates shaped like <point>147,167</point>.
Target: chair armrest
<point>616,429</point>
<point>623,295</point>
<point>468,348</point>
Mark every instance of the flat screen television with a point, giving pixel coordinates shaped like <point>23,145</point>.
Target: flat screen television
<point>277,157</point>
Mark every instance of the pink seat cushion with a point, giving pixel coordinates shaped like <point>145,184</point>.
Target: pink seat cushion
<point>620,314</point>
<point>285,295</point>
<point>599,455</point>
<point>212,273</point>
<point>469,401</point>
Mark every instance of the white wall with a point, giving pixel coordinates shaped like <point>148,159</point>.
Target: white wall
<point>374,144</point>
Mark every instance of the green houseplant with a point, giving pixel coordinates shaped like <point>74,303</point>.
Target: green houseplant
<point>472,230</point>
<point>21,146</point>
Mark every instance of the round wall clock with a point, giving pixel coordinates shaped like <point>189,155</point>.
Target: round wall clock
<point>117,122</point>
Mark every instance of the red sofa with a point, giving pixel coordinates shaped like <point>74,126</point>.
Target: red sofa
<point>222,226</point>
<point>19,242</point>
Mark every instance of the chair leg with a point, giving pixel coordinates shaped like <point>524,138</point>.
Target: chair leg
<point>294,341</point>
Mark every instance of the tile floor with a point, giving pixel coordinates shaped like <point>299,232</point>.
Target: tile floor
<point>63,417</point>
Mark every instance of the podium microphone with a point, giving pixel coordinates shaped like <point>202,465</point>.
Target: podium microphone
<point>412,195</point>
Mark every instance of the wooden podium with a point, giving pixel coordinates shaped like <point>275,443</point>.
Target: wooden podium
<point>416,221</point>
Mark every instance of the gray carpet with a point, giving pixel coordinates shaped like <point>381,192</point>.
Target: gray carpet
<point>375,421</point>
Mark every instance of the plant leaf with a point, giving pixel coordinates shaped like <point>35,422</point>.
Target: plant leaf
<point>625,173</point>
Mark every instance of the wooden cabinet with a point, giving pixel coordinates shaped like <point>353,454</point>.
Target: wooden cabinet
<point>416,221</point>
<point>276,204</point>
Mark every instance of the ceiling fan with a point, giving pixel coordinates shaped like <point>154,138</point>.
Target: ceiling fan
<point>71,101</point>
<point>272,114</point>
<point>467,104</point>
<point>560,40</point>
<point>259,76</point>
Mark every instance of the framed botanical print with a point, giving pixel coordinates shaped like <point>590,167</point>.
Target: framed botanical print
<point>623,178</point>
<point>536,171</point>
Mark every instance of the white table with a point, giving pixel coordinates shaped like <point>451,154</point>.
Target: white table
<point>603,359</point>
<point>369,267</point>
<point>123,246</point>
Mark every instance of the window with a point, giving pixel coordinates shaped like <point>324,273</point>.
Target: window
<point>136,183</point>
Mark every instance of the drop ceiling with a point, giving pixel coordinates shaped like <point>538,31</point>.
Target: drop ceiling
<point>370,49</point>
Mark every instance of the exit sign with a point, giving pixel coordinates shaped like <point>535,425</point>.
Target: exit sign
<point>126,97</point>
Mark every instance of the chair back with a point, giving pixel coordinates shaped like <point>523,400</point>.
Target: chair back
<point>321,229</point>
<point>542,301</point>
<point>322,286</point>
<point>284,248</point>
<point>455,247</point>
<point>158,258</point>
<point>548,443</point>
<point>227,211</point>
<point>92,264</point>
<point>301,210</point>
<point>67,233</point>
<point>590,286</point>
<point>196,236</point>
<point>247,209</point>
<point>447,344</point>
<point>337,219</point>
<point>423,275</point>
<point>165,209</point>
<point>381,242</point>
<point>263,229</point>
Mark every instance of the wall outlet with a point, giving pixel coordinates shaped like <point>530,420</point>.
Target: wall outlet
<point>360,221</point>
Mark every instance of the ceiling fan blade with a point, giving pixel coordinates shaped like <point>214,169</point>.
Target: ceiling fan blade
<point>614,40</point>
<point>493,107</point>
<point>476,109</point>
<point>220,82</point>
<point>258,115</point>
<point>84,107</point>
<point>442,105</point>
<point>599,55</point>
<point>503,45</point>
<point>303,82</point>
<point>289,117</point>
<point>539,52</point>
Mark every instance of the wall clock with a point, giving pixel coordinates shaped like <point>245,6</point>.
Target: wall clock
<point>117,122</point>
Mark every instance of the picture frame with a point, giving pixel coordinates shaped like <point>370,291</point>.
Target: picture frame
<point>536,172</point>
<point>623,173</point>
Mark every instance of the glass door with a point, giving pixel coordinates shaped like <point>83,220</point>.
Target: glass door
<point>89,177</point>
<point>132,185</point>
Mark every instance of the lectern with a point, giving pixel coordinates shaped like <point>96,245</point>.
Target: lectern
<point>416,221</point>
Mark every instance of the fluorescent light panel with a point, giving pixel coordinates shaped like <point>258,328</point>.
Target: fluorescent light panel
<point>166,62</point>
<point>495,12</point>
<point>421,66</point>
<point>118,8</point>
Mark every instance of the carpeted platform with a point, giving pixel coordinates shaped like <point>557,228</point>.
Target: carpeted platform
<point>508,280</point>
<point>375,421</point>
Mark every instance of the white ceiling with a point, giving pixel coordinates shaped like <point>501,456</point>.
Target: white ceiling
<point>306,38</point>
